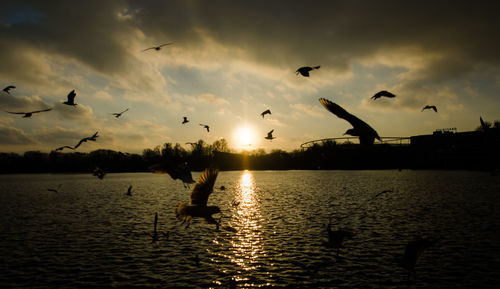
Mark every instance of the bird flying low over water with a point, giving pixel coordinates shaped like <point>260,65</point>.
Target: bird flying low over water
<point>98,172</point>
<point>198,200</point>
<point>304,71</point>
<point>71,98</point>
<point>413,252</point>
<point>30,113</point>
<point>366,133</point>
<point>383,93</point>
<point>265,112</point>
<point>337,238</point>
<point>433,107</point>
<point>85,139</point>
<point>185,120</point>
<point>118,114</point>
<point>9,88</point>
<point>270,135</point>
<point>205,126</point>
<point>176,170</point>
<point>157,48</point>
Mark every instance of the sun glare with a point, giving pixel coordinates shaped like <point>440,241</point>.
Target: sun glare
<point>245,137</point>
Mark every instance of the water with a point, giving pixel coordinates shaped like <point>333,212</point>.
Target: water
<point>90,234</point>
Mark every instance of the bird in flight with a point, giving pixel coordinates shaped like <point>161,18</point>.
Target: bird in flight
<point>433,107</point>
<point>63,147</point>
<point>118,114</point>
<point>175,171</point>
<point>185,120</point>
<point>270,135</point>
<point>9,88</point>
<point>383,93</point>
<point>129,191</point>
<point>71,98</point>
<point>366,133</point>
<point>265,112</point>
<point>157,48</point>
<point>198,200</point>
<point>55,190</point>
<point>29,114</point>
<point>205,126</point>
<point>98,172</point>
<point>413,252</point>
<point>85,139</point>
<point>337,238</point>
<point>304,71</point>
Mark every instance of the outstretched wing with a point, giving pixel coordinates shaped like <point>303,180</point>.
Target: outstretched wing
<point>166,44</point>
<point>71,96</point>
<point>16,112</point>
<point>148,48</point>
<point>37,111</point>
<point>204,187</point>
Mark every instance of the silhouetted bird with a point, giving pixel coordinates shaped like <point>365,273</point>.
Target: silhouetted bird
<point>413,252</point>
<point>129,191</point>
<point>383,93</point>
<point>270,135</point>
<point>157,48</point>
<point>198,200</point>
<point>118,114</point>
<point>176,170</point>
<point>63,147</point>
<point>191,143</point>
<point>9,88</point>
<point>366,133</point>
<point>29,114</point>
<point>484,125</point>
<point>55,190</point>
<point>433,107</point>
<point>205,126</point>
<point>265,112</point>
<point>304,71</point>
<point>185,120</point>
<point>98,172</point>
<point>85,139</point>
<point>71,98</point>
<point>222,188</point>
<point>337,238</point>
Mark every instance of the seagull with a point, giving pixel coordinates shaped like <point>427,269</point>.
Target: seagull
<point>118,114</point>
<point>383,93</point>
<point>265,112</point>
<point>129,191</point>
<point>71,98</point>
<point>29,114</point>
<point>366,133</point>
<point>98,172</point>
<point>205,126</point>
<point>9,88</point>
<point>413,252</point>
<point>270,135</point>
<point>175,171</point>
<point>430,107</point>
<point>185,120</point>
<point>157,48</point>
<point>337,238</point>
<point>63,147</point>
<point>304,71</point>
<point>198,201</point>
<point>85,139</point>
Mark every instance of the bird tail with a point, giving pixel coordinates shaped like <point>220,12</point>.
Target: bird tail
<point>181,211</point>
<point>316,67</point>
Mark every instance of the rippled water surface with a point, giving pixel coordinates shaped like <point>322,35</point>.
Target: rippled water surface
<point>90,234</point>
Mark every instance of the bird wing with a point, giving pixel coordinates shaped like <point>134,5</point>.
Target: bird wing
<point>71,96</point>
<point>37,111</point>
<point>166,44</point>
<point>270,134</point>
<point>124,111</point>
<point>80,142</point>
<point>149,48</point>
<point>204,187</point>
<point>434,108</point>
<point>8,88</point>
<point>16,112</point>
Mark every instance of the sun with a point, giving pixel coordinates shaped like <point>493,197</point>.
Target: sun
<point>244,137</point>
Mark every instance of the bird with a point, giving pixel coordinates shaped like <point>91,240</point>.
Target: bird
<point>484,125</point>
<point>197,206</point>
<point>6,89</point>
<point>85,139</point>
<point>29,114</point>
<point>337,238</point>
<point>430,107</point>
<point>270,135</point>
<point>71,98</point>
<point>129,191</point>
<point>55,190</point>
<point>176,170</point>
<point>185,120</point>
<point>366,133</point>
<point>304,71</point>
<point>222,188</point>
<point>383,93</point>
<point>118,114</point>
<point>63,147</point>
<point>413,252</point>
<point>265,112</point>
<point>205,126</point>
<point>157,48</point>
<point>191,143</point>
<point>98,172</point>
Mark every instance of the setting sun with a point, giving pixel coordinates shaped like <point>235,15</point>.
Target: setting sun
<point>244,137</point>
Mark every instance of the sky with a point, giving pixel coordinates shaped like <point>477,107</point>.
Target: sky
<point>231,60</point>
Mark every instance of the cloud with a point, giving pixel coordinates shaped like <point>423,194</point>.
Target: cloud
<point>15,136</point>
<point>211,98</point>
<point>315,111</point>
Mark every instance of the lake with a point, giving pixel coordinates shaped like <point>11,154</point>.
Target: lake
<point>91,234</point>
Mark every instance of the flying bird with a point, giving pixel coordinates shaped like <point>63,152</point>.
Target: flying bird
<point>71,98</point>
<point>383,93</point>
<point>157,48</point>
<point>63,147</point>
<point>304,71</point>
<point>55,190</point>
<point>337,238</point>
<point>265,112</point>
<point>433,107</point>
<point>129,191</point>
<point>413,252</point>
<point>118,114</point>
<point>98,172</point>
<point>185,120</point>
<point>366,133</point>
<point>85,139</point>
<point>29,114</point>
<point>205,126</point>
<point>174,170</point>
<point>484,125</point>
<point>270,135</point>
<point>9,88</point>
<point>198,200</point>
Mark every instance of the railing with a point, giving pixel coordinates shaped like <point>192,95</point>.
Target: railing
<point>400,141</point>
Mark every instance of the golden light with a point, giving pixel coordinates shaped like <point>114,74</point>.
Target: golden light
<point>244,137</point>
